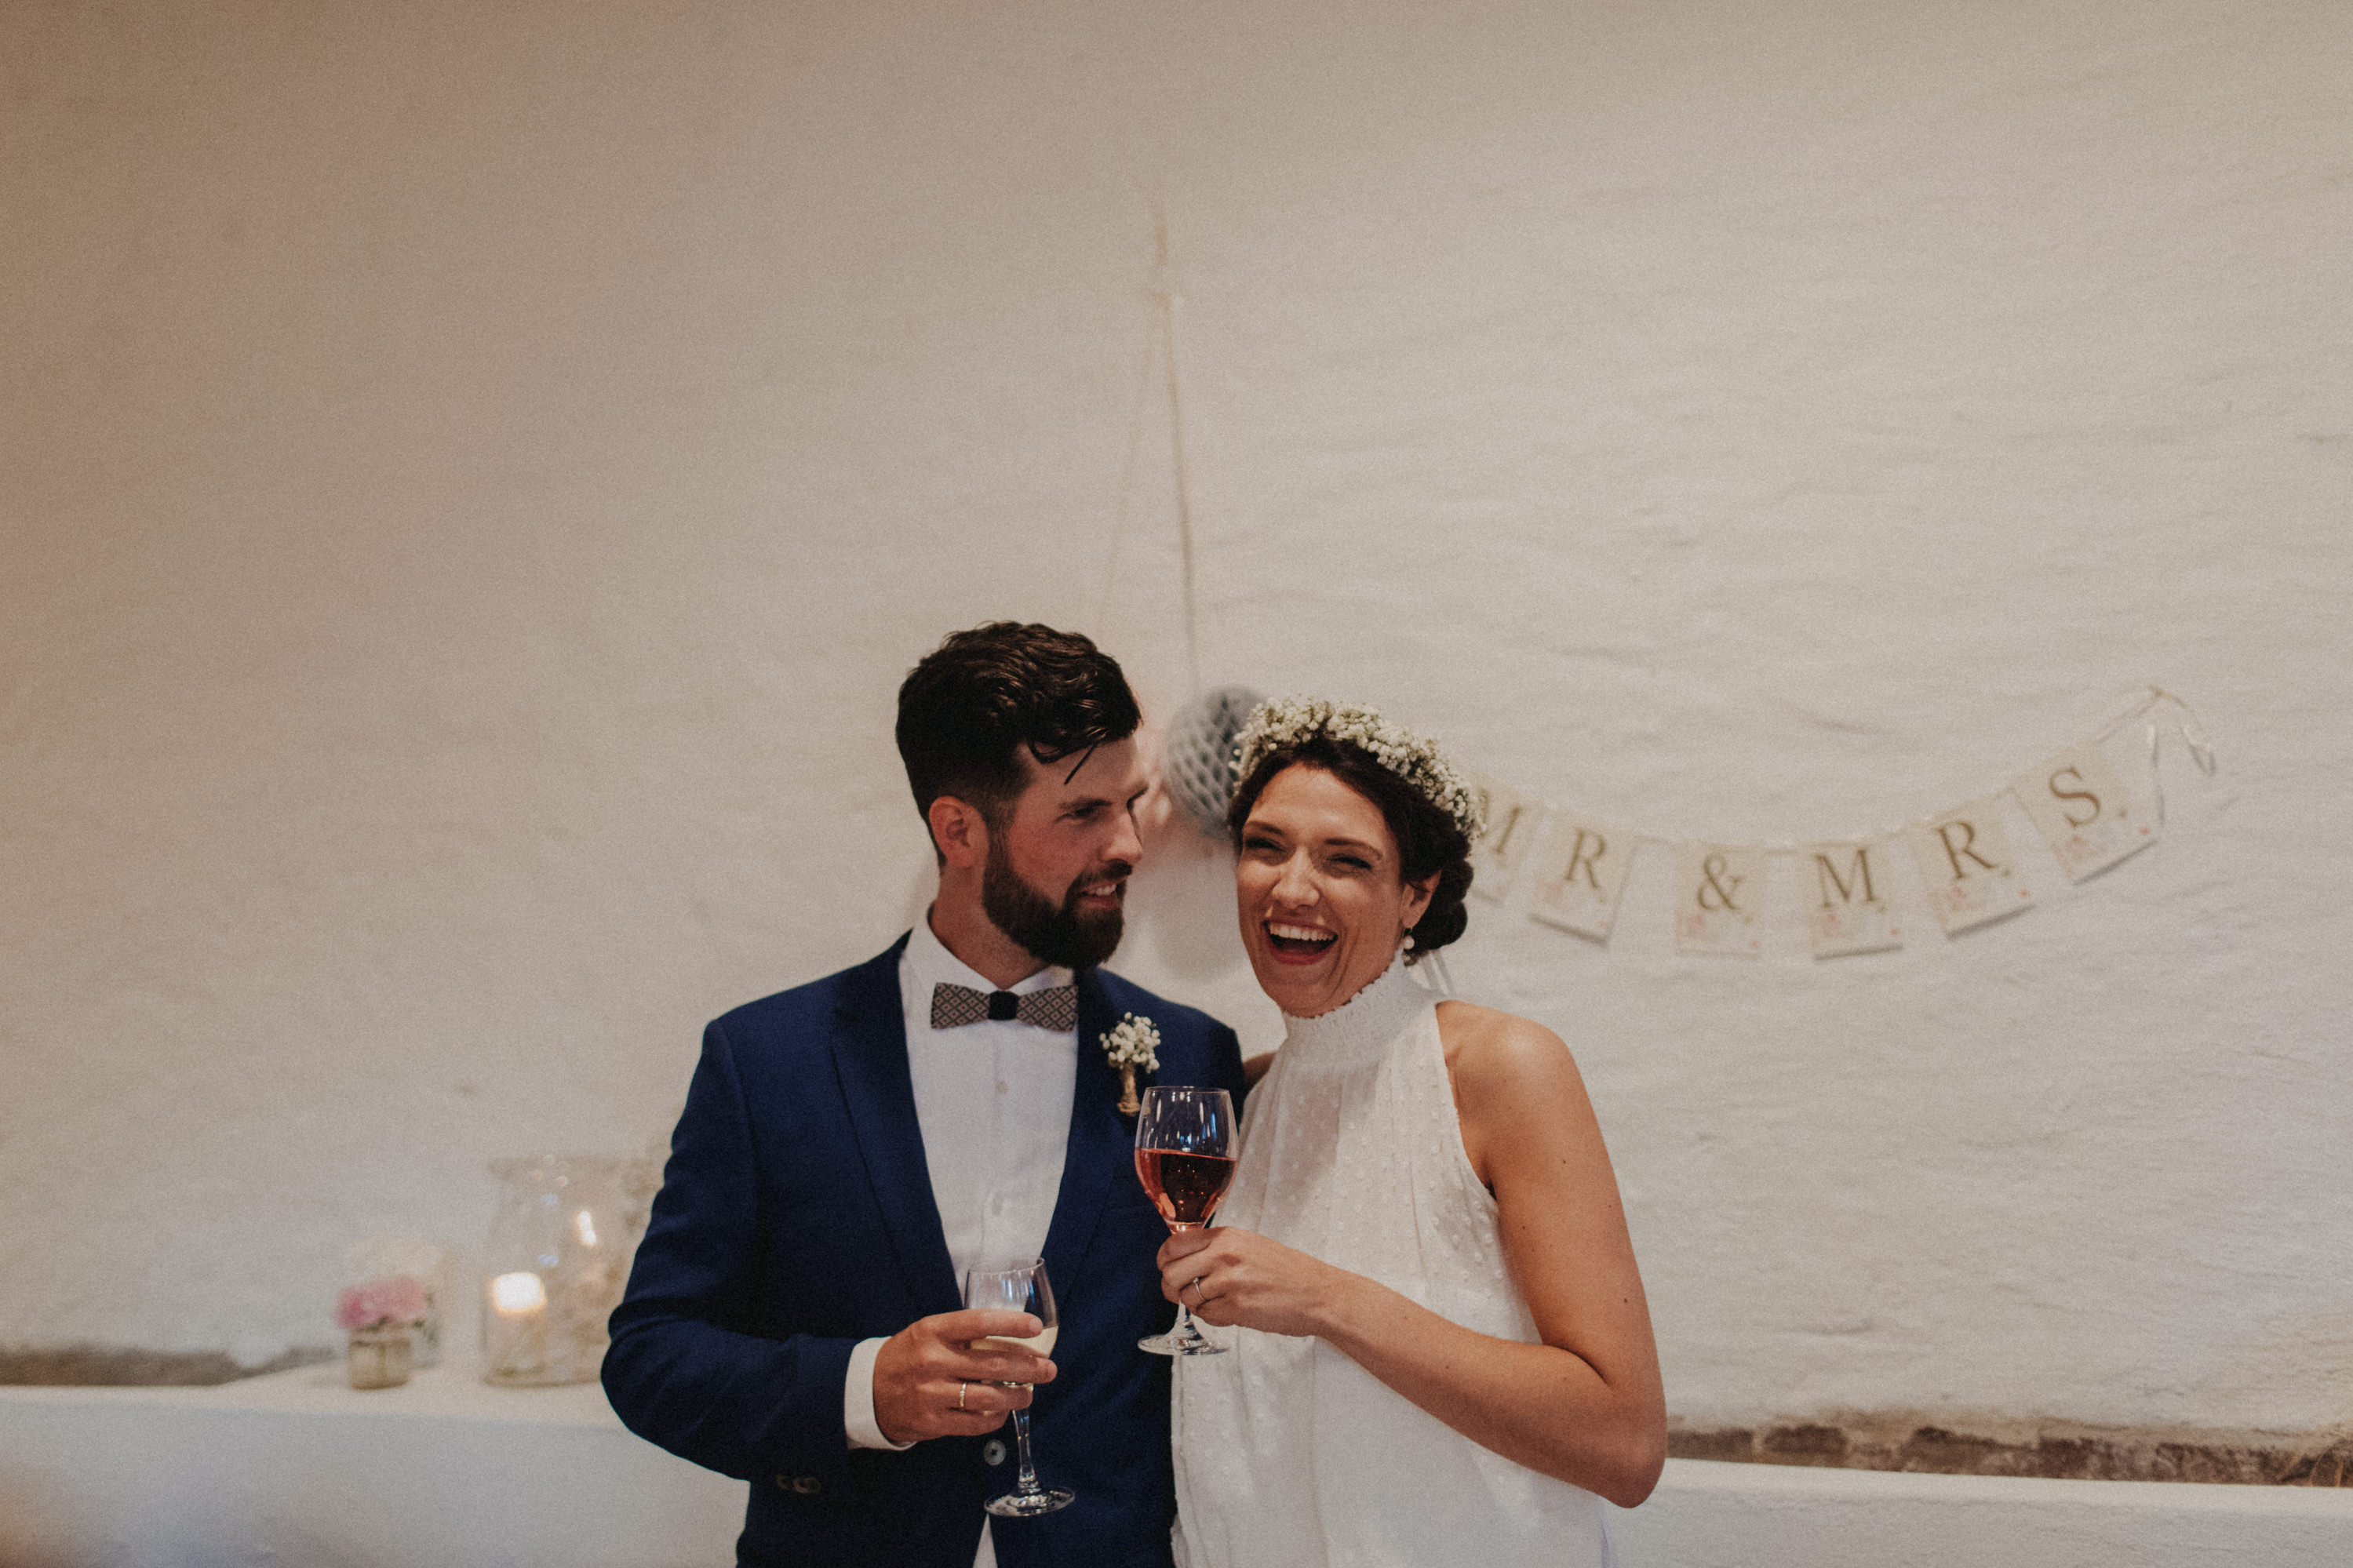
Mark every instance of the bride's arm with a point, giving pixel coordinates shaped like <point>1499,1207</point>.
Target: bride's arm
<point>1586,1404</point>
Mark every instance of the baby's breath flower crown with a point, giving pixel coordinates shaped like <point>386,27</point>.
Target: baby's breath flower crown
<point>1413,758</point>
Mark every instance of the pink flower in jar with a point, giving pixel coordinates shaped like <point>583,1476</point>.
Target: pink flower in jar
<point>392,1300</point>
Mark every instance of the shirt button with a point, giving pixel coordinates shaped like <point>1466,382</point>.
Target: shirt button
<point>1001,1085</point>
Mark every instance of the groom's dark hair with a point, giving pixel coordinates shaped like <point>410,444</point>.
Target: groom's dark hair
<point>981,695</point>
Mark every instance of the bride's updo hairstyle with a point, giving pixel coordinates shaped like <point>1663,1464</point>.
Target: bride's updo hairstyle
<point>1431,839</point>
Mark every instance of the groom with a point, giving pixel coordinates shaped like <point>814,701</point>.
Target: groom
<point>852,1147</point>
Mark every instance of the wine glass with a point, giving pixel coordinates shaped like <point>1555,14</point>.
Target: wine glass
<point>1021,1288</point>
<point>1185,1158</point>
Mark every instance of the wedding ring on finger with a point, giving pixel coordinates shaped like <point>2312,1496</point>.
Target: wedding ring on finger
<point>961,1389</point>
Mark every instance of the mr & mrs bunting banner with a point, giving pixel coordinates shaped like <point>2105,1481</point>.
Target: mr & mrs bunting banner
<point>1965,861</point>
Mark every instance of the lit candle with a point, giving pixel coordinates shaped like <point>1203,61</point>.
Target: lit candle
<point>517,1296</point>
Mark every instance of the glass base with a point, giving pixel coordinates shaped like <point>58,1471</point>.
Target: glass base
<point>1187,1341</point>
<point>1029,1505</point>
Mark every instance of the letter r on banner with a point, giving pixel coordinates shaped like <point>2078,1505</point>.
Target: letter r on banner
<point>1967,866</point>
<point>1580,876</point>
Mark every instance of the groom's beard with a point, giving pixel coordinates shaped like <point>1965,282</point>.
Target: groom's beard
<point>1060,933</point>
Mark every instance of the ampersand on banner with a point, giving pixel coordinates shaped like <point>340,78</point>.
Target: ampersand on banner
<point>1713,916</point>
<point>1714,871</point>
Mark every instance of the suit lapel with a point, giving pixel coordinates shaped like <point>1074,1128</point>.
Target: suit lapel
<point>1101,1141</point>
<point>870,1055</point>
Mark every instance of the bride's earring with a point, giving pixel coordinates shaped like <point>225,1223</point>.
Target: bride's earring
<point>1408,942</point>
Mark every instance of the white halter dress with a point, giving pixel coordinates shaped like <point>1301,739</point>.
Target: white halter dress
<point>1288,1454</point>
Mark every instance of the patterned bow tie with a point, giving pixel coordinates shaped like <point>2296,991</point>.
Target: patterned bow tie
<point>1055,1008</point>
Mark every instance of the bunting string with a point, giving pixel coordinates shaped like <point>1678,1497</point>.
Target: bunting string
<point>1967,864</point>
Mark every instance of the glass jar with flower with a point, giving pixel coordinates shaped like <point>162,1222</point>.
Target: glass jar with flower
<point>380,1315</point>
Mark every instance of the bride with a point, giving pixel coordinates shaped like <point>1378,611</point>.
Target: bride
<point>1440,1351</point>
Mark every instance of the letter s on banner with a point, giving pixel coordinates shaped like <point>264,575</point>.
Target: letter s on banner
<point>1581,875</point>
<point>2083,809</point>
<point>1967,866</point>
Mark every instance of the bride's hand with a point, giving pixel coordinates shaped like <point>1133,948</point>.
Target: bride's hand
<point>1230,1276</point>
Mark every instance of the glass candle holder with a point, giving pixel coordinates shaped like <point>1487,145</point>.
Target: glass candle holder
<point>556,1263</point>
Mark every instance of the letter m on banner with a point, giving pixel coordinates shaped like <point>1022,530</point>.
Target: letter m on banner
<point>1846,900</point>
<point>1513,821</point>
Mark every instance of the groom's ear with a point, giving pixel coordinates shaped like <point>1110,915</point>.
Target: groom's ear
<point>958,832</point>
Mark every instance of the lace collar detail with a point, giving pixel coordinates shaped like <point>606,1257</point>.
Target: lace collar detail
<point>1372,1017</point>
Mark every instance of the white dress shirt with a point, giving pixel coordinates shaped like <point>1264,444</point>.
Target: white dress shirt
<point>993,1102</point>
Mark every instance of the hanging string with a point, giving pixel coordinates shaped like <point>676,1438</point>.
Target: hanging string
<point>2192,737</point>
<point>1184,488</point>
<point>1441,981</point>
<point>1160,349</point>
<point>2201,749</point>
<point>1127,476</point>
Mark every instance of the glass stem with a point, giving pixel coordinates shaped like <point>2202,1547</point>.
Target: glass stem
<point>1029,1482</point>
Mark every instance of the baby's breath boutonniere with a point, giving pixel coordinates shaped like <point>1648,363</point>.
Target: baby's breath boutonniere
<point>1132,1045</point>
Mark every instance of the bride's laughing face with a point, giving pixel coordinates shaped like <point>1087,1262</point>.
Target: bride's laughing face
<point>1319,890</point>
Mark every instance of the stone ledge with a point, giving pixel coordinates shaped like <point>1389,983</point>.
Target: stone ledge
<point>2054,1451</point>
<point>103,1366</point>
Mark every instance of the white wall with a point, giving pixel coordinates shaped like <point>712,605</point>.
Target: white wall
<point>471,478</point>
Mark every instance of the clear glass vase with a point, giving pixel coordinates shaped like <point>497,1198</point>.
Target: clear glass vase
<point>556,1263</point>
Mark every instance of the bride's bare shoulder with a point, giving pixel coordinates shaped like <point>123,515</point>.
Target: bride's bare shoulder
<point>1489,1051</point>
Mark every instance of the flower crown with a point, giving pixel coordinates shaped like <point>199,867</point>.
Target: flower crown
<point>1290,720</point>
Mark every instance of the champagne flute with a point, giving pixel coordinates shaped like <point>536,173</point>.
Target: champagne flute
<point>1022,1288</point>
<point>1185,1158</point>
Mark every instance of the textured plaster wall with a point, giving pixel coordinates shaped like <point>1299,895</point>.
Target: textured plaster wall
<point>471,478</point>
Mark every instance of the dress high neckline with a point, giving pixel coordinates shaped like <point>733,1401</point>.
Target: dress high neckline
<point>1373,1014</point>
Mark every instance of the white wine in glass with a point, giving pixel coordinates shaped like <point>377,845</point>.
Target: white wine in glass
<point>1185,1158</point>
<point>1021,1288</point>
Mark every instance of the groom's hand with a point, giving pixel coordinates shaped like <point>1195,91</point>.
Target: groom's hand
<point>927,1369</point>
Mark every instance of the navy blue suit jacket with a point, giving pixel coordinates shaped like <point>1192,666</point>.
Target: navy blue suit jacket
<point>795,1218</point>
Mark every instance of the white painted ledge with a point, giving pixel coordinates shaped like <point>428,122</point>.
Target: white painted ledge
<point>1707,1514</point>
<point>297,1471</point>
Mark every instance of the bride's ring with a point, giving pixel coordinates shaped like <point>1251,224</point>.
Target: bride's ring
<point>1199,1299</point>
<point>961,1389</point>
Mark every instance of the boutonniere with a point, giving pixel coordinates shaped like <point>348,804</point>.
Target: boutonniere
<point>1132,1045</point>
